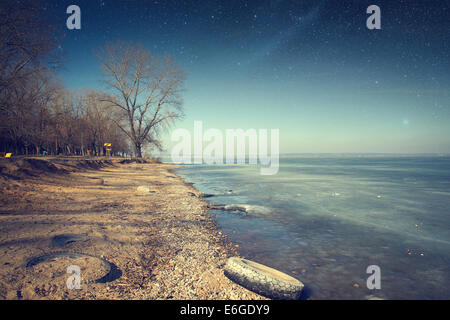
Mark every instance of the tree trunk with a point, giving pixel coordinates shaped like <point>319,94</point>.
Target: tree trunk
<point>137,150</point>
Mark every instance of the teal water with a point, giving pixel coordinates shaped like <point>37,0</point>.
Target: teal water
<point>324,220</point>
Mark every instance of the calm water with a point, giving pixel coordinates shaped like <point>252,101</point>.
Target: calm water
<point>325,220</point>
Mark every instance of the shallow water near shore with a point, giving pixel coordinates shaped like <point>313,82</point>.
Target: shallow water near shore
<point>324,220</point>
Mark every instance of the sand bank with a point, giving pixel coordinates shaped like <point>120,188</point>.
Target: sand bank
<point>163,241</point>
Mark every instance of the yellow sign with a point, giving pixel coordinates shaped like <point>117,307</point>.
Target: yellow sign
<point>107,144</point>
<point>8,155</point>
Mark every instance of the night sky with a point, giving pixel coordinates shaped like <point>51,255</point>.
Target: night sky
<point>309,68</point>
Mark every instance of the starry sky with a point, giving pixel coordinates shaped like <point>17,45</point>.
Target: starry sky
<point>308,68</point>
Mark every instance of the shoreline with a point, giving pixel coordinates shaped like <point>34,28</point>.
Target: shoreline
<point>165,242</point>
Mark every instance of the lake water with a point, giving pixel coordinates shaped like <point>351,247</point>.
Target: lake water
<point>324,220</point>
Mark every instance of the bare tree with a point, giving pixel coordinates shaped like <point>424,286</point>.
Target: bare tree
<point>27,42</point>
<point>41,91</point>
<point>100,121</point>
<point>147,91</point>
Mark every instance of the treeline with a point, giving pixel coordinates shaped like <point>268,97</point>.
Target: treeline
<point>59,121</point>
<point>37,114</point>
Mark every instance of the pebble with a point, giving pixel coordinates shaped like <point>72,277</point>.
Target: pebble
<point>143,189</point>
<point>374,298</point>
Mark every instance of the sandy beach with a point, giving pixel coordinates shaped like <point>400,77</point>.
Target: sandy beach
<point>161,237</point>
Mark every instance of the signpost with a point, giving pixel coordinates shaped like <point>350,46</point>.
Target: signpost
<point>108,148</point>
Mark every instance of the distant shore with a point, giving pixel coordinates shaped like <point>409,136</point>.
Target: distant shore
<point>160,237</point>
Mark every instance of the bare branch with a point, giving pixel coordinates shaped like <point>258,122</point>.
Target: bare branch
<point>148,89</point>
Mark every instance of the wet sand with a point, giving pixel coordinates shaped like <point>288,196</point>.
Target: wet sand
<point>164,242</point>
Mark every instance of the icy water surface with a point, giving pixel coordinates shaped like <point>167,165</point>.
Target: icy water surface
<point>325,220</point>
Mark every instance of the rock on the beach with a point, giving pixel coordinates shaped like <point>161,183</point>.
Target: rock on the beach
<point>143,189</point>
